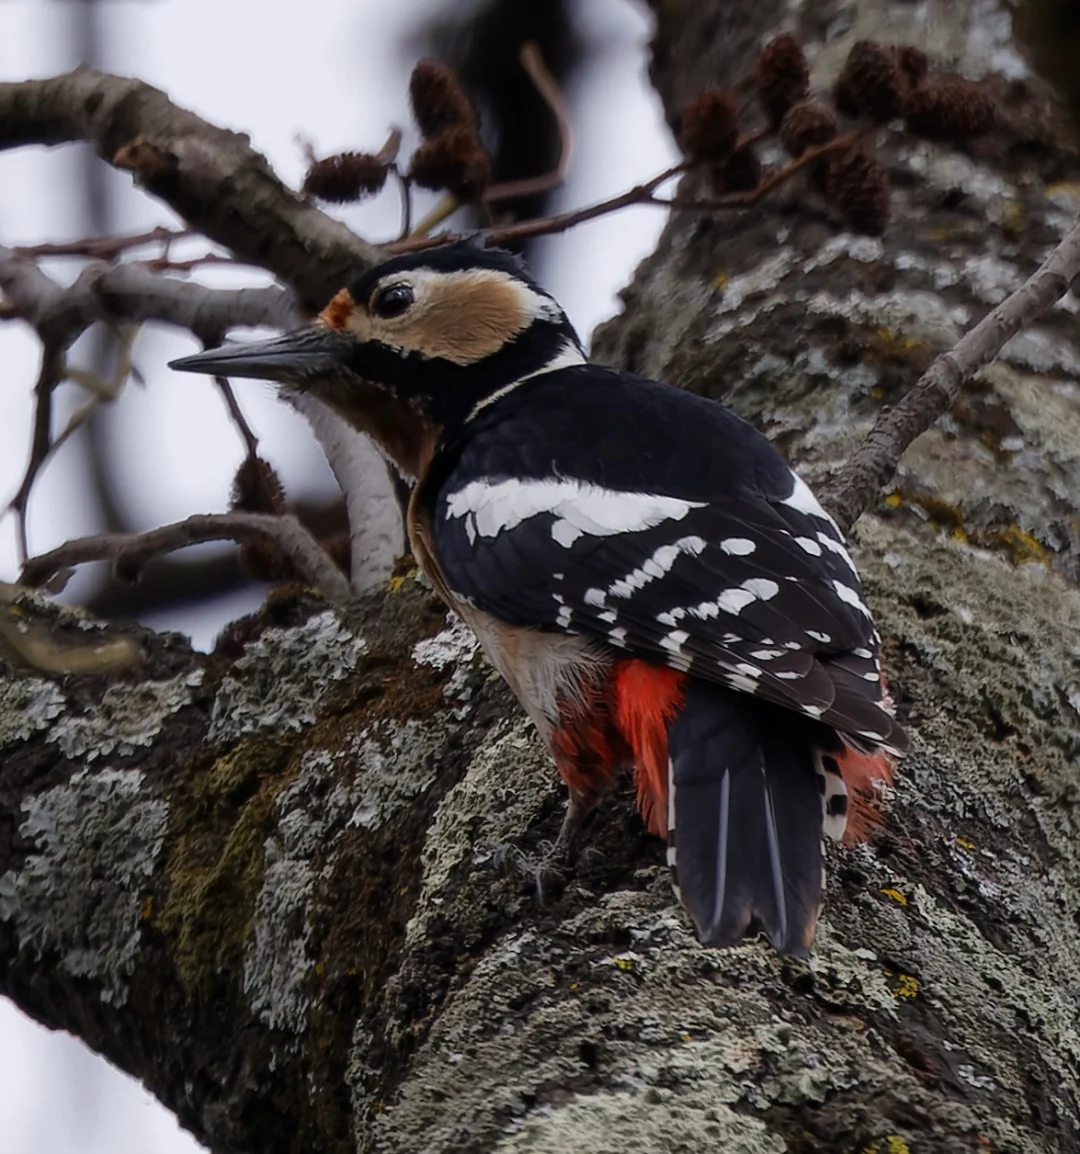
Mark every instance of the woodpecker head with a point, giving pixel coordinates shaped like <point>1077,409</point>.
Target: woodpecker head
<point>428,338</point>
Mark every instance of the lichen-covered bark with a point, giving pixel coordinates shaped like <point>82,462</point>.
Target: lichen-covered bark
<point>281,886</point>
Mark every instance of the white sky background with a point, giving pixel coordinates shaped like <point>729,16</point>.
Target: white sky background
<point>332,72</point>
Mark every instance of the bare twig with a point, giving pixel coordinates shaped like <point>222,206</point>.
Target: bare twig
<point>773,180</point>
<point>639,194</point>
<point>166,263</point>
<point>548,87</point>
<point>104,247</point>
<point>251,442</point>
<point>113,293</point>
<point>133,292</point>
<point>49,376</point>
<point>404,182</point>
<point>874,463</point>
<point>129,552</point>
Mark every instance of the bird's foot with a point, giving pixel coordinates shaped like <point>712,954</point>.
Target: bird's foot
<point>548,872</point>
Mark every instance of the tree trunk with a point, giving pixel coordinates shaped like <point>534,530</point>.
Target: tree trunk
<point>282,889</point>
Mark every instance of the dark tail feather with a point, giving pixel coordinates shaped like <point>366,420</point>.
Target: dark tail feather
<point>746,838</point>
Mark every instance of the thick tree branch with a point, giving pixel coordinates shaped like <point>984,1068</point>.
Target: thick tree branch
<point>129,552</point>
<point>849,494</point>
<point>210,176</point>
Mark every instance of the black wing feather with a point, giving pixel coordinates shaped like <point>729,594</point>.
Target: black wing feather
<point>737,574</point>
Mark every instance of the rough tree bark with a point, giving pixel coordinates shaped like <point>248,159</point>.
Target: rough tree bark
<point>275,888</point>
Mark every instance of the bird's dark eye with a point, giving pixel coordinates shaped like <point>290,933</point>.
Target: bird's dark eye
<point>392,301</point>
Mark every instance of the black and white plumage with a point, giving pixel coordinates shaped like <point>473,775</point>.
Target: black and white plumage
<point>656,584</point>
<point>687,541</point>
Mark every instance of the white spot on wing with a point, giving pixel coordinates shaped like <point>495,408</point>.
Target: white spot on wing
<point>732,601</point>
<point>865,654</point>
<point>809,545</point>
<point>617,636</point>
<point>748,670</point>
<point>824,638</point>
<point>595,597</point>
<point>674,640</point>
<point>738,546</point>
<point>762,588</point>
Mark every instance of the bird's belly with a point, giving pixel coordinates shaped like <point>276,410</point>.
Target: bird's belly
<point>548,672</point>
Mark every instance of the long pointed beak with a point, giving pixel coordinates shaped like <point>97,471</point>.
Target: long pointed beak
<point>295,358</point>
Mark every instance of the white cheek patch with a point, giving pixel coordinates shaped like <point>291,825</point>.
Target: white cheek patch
<point>491,507</point>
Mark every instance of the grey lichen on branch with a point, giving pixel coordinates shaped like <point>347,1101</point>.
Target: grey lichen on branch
<point>858,485</point>
<point>212,177</point>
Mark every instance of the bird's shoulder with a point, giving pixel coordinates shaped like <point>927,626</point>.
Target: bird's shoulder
<point>620,431</point>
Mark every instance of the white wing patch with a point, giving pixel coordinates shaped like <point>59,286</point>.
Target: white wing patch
<point>489,508</point>
<point>802,500</point>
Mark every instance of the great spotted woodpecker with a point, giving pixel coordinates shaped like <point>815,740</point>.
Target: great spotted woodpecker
<point>657,586</point>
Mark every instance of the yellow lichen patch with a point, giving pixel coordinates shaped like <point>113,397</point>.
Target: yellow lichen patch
<point>394,584</point>
<point>720,280</point>
<point>906,986</point>
<point>886,346</point>
<point>1014,219</point>
<point>896,896</point>
<point>894,500</point>
<point>896,1145</point>
<point>963,843</point>
<point>147,908</point>
<point>1022,546</point>
<point>1063,188</point>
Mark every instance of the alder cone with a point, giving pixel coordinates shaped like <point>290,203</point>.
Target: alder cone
<point>783,77</point>
<point>913,63</point>
<point>741,172</point>
<point>438,100</point>
<point>808,124</point>
<point>346,177</point>
<point>871,83</point>
<point>257,488</point>
<point>949,108</point>
<point>859,187</point>
<point>709,129</point>
<point>455,161</point>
